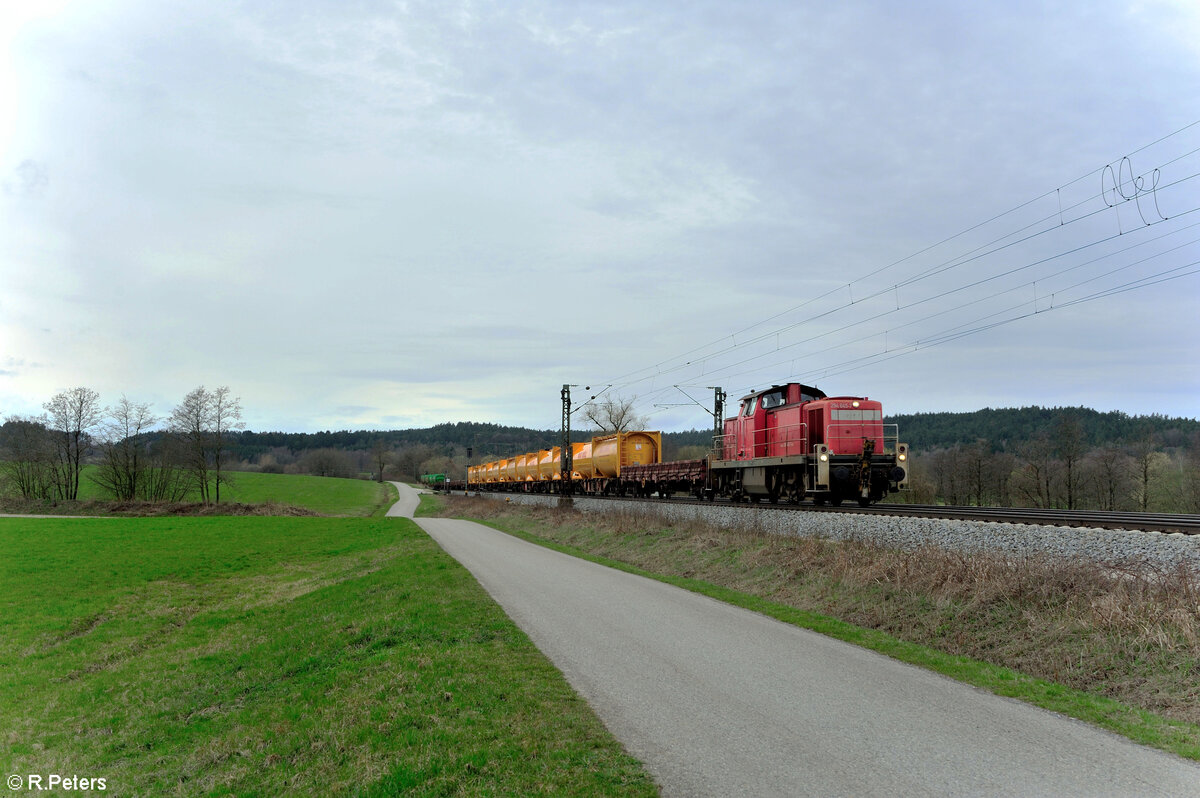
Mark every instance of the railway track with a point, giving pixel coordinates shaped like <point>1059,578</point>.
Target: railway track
<point>1147,522</point>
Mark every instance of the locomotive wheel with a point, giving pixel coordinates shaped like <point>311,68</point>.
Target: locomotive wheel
<point>835,501</point>
<point>774,486</point>
<point>793,490</point>
<point>863,502</point>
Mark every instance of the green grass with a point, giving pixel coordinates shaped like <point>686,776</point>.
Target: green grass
<point>264,656</point>
<point>325,495</point>
<point>678,564</point>
<point>430,505</point>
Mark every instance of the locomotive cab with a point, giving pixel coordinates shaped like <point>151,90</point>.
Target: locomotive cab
<point>769,423</point>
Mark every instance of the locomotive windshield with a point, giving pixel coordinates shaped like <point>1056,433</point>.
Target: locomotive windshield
<point>774,399</point>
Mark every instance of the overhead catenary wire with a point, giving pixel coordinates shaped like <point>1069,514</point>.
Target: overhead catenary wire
<point>871,360</point>
<point>950,292</point>
<point>969,257</point>
<point>725,357</point>
<point>625,379</point>
<point>707,370</point>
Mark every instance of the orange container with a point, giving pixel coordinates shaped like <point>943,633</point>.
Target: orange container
<point>550,464</point>
<point>612,452</point>
<point>581,461</point>
<point>527,467</point>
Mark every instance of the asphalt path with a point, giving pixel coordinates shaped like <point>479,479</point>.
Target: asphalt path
<point>410,497</point>
<point>720,701</point>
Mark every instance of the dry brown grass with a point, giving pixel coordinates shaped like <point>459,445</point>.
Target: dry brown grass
<point>1132,635</point>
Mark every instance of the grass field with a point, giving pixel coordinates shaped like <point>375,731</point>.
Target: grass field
<point>324,495</point>
<point>261,656</point>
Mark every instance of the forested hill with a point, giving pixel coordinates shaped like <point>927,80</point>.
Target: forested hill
<point>1005,429</point>
<point>485,440</point>
<point>482,438</point>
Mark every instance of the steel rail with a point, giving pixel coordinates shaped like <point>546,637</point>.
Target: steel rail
<point>1147,522</point>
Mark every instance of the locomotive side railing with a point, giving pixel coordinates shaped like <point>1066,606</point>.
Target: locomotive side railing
<point>793,440</point>
<point>787,440</point>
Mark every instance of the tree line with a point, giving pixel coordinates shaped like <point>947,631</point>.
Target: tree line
<point>136,454</point>
<point>1148,467</point>
<point>1006,429</point>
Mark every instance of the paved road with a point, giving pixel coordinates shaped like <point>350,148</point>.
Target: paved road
<point>724,702</point>
<point>407,504</point>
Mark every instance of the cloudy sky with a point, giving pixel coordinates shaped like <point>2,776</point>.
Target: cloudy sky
<point>388,215</point>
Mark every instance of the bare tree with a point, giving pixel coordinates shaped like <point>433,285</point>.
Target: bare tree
<point>1001,467</point>
<point>409,459</point>
<point>614,415</point>
<point>440,464</point>
<point>190,422</point>
<point>326,462</point>
<point>922,488</point>
<point>1110,470</point>
<point>1148,462</point>
<point>202,423</point>
<point>72,415</point>
<point>951,474</point>
<point>124,454</point>
<point>226,416</point>
<point>381,457</point>
<point>165,480</point>
<point>1036,480</point>
<point>1191,476</point>
<point>27,457</point>
<point>974,461</point>
<point>1069,446</point>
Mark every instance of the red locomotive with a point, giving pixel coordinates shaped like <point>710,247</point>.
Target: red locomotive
<point>792,441</point>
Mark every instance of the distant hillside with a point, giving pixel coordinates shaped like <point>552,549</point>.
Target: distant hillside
<point>484,440</point>
<point>1007,428</point>
<point>1004,429</point>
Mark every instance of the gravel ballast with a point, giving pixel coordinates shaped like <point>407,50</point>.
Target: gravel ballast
<point>1110,546</point>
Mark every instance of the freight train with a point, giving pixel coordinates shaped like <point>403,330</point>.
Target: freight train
<point>786,443</point>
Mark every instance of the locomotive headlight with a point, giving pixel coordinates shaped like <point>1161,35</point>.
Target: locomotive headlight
<point>902,456</point>
<point>854,404</point>
<point>824,457</point>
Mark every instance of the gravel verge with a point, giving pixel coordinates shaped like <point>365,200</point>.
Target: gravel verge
<point>1115,547</point>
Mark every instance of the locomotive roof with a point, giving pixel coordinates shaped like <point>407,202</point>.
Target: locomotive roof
<point>808,389</point>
